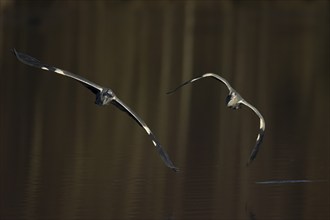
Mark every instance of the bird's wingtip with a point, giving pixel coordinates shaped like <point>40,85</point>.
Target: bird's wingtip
<point>175,169</point>
<point>252,157</point>
<point>13,50</point>
<point>169,92</point>
<point>248,163</point>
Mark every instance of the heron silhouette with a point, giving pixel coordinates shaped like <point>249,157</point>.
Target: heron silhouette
<point>104,96</point>
<point>234,101</point>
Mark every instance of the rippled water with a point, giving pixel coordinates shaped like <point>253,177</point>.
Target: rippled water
<point>91,189</point>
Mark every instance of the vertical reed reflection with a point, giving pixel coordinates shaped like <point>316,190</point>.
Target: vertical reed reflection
<point>224,199</point>
<point>33,185</point>
<point>127,54</point>
<point>185,95</point>
<point>73,190</point>
<point>163,128</point>
<point>166,68</point>
<point>63,157</point>
<point>138,100</point>
<point>187,71</point>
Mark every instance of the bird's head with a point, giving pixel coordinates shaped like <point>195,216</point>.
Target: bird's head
<point>232,100</point>
<point>104,97</point>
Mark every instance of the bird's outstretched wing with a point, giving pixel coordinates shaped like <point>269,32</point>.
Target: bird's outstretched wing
<point>96,89</point>
<point>31,61</point>
<point>203,76</point>
<point>119,104</point>
<point>242,101</point>
<point>261,133</point>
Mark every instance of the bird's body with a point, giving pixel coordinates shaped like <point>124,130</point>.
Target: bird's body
<point>234,101</point>
<point>104,96</point>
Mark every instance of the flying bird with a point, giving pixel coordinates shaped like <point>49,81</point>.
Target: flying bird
<point>104,96</point>
<point>234,101</point>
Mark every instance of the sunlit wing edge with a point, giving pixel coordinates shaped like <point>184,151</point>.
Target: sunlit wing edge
<point>31,61</point>
<point>262,127</point>
<point>164,156</point>
<point>215,76</point>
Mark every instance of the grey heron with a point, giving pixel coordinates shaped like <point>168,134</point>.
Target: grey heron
<point>104,96</point>
<point>234,101</point>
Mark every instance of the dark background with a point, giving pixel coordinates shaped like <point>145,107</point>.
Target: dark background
<point>62,157</point>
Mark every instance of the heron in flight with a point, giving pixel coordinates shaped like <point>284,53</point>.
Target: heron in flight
<point>234,101</point>
<point>104,96</point>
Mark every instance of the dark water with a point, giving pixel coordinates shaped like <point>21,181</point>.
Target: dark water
<point>62,157</point>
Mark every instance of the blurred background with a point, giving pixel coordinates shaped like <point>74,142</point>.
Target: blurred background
<point>63,157</point>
